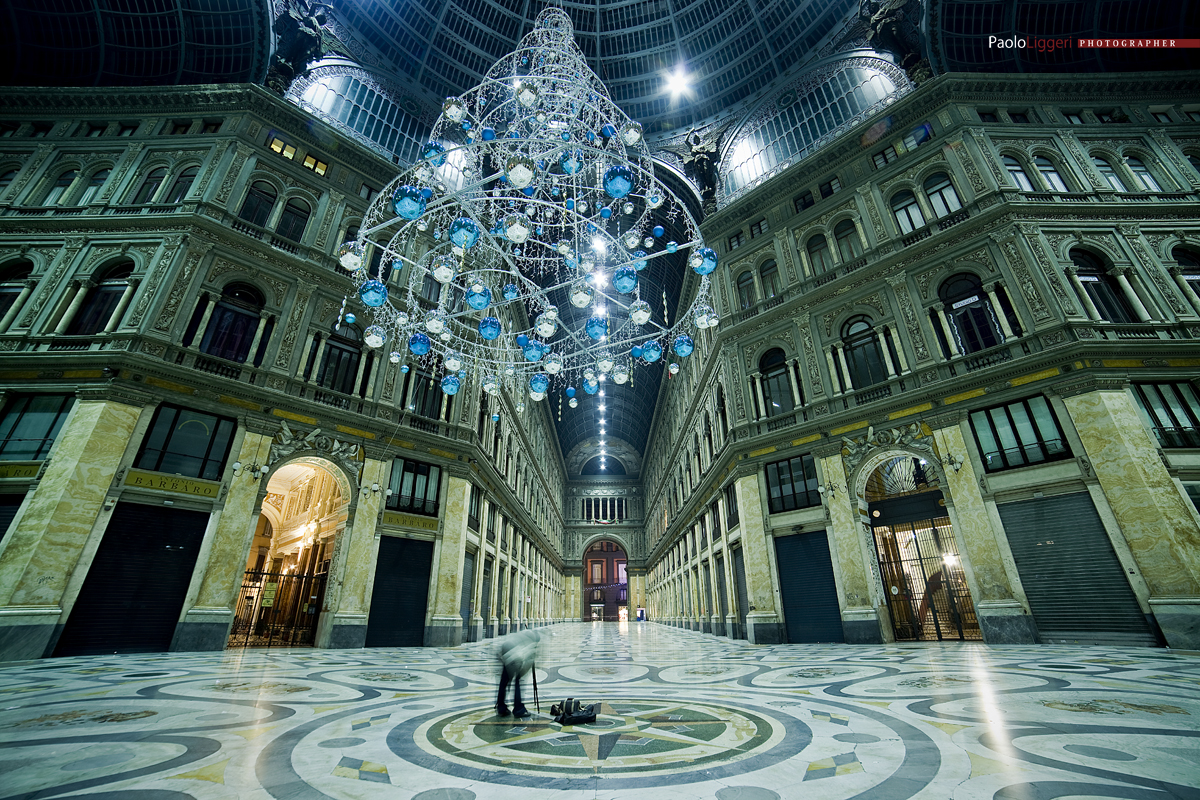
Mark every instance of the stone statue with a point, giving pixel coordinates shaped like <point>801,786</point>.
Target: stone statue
<point>301,37</point>
<point>889,30</point>
<point>700,164</point>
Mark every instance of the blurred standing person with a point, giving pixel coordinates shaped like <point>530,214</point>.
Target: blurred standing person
<point>517,653</point>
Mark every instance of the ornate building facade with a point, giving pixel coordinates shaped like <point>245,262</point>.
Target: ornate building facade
<point>192,440</point>
<point>954,392</point>
<point>952,395</point>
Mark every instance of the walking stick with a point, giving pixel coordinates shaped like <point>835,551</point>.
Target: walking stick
<point>536,701</point>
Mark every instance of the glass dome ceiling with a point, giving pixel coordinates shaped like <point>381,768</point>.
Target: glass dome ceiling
<point>731,48</point>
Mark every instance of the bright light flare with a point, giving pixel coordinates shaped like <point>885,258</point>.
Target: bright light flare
<point>679,83</point>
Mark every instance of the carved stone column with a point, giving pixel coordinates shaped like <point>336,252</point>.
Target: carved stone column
<point>1086,299</point>
<point>114,319</point>
<point>1184,285</point>
<point>950,342</point>
<point>203,326</point>
<point>18,304</point>
<point>69,315</point>
<point>1001,317</point>
<point>1135,300</point>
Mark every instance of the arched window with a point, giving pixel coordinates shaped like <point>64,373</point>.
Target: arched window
<point>149,187</point>
<point>1109,174</point>
<point>972,318</point>
<point>1049,172</point>
<point>260,199</point>
<point>768,274</point>
<point>1189,266</point>
<point>776,387</point>
<point>183,183</point>
<point>93,186</point>
<point>863,354</point>
<point>941,194</point>
<point>818,255</point>
<point>101,300</point>
<point>908,213</point>
<point>722,415</point>
<point>233,323</point>
<point>431,290</point>
<point>12,282</point>
<point>57,195</point>
<point>293,220</point>
<point>1016,174</point>
<point>1101,287</point>
<point>1142,174</point>
<point>1192,158</point>
<point>848,244</point>
<point>10,175</point>
<point>340,364</point>
<point>745,289</point>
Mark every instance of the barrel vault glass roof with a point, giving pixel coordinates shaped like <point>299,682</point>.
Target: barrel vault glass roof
<point>732,48</point>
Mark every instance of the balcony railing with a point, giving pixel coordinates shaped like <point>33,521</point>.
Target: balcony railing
<point>987,358</point>
<point>1178,437</point>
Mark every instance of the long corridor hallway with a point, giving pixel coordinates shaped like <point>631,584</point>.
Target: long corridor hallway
<point>682,715</point>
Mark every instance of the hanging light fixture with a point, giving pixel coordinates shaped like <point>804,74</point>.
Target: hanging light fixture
<point>534,191</point>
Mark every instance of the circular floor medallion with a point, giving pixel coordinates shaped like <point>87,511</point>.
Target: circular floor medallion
<point>632,738</point>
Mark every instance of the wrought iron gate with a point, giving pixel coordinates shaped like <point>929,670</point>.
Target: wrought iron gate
<point>927,590</point>
<point>277,609</point>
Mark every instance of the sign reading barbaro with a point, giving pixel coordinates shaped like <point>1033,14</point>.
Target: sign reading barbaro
<point>172,483</point>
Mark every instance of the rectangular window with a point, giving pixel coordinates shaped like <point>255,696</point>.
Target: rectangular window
<point>127,129</point>
<point>284,149</point>
<point>491,523</point>
<point>94,131</point>
<point>211,126</point>
<point>185,442</point>
<point>885,156</point>
<point>180,128</point>
<point>829,187</point>
<point>473,508</point>
<point>988,116</point>
<point>920,135</point>
<point>30,424</point>
<point>367,193</point>
<point>1194,116</point>
<point>1172,410</point>
<point>1073,117</point>
<point>758,228</point>
<point>804,201</point>
<point>595,572</point>
<point>1019,117</point>
<point>41,130</point>
<point>8,129</point>
<point>414,487</point>
<point>1106,116</point>
<point>1162,116</point>
<point>315,164</point>
<point>792,484</point>
<point>735,241</point>
<point>1018,434</point>
<point>731,507</point>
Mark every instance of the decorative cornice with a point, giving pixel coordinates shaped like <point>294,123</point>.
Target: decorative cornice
<point>1090,383</point>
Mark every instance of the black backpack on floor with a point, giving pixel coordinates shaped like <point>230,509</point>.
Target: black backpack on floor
<point>573,713</point>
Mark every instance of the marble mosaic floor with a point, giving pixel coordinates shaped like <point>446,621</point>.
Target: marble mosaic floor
<point>683,715</point>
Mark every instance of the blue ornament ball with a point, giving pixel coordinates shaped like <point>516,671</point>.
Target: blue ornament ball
<point>450,384</point>
<point>540,382</point>
<point>419,344</point>
<point>522,340</point>
<point>705,261</point>
<point>625,279</point>
<point>350,319</point>
<point>408,202</point>
<point>479,297</point>
<point>434,153</point>
<point>570,391</point>
<point>489,328</point>
<point>658,231</point>
<point>652,351</point>
<point>618,181</point>
<point>464,232</point>
<point>592,386</point>
<point>639,262</point>
<point>636,352</point>
<point>511,292</point>
<point>597,327</point>
<point>373,293</point>
<point>683,345</point>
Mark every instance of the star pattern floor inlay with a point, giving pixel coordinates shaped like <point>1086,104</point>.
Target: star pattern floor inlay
<point>681,715</point>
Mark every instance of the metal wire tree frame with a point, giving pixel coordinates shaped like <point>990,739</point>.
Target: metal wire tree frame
<point>534,186</point>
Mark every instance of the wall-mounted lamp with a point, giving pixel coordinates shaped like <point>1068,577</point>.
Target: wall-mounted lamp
<point>374,488</point>
<point>827,490</point>
<point>256,471</point>
<point>954,462</point>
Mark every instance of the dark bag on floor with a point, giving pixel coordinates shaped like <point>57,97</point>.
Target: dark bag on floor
<point>572,712</point>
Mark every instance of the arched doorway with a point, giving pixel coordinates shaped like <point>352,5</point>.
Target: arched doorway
<point>919,563</point>
<point>605,582</point>
<point>283,589</point>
